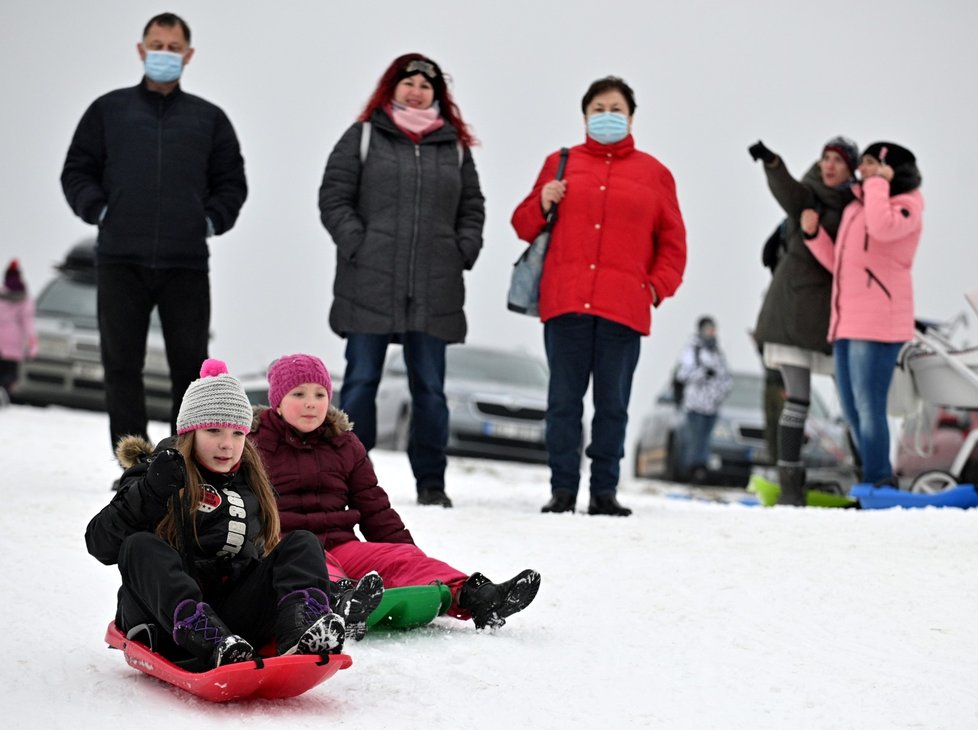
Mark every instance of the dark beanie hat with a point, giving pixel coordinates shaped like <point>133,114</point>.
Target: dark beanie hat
<point>705,321</point>
<point>11,278</point>
<point>891,153</point>
<point>847,149</point>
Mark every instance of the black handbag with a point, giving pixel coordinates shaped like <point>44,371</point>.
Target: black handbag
<point>524,282</point>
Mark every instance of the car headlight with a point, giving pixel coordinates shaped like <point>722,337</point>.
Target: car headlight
<point>722,431</point>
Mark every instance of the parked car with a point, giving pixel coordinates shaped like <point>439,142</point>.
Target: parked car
<point>68,368</point>
<point>738,443</point>
<point>497,403</point>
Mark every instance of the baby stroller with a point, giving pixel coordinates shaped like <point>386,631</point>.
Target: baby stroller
<point>930,370</point>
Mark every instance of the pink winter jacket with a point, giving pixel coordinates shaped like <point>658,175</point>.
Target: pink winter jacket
<point>17,337</point>
<point>872,291</point>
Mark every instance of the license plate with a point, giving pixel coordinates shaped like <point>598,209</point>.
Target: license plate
<point>516,431</point>
<point>89,371</point>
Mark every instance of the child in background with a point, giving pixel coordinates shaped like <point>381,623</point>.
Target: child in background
<point>18,340</point>
<point>326,484</point>
<point>195,531</point>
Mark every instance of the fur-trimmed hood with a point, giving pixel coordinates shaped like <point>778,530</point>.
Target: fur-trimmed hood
<point>133,450</point>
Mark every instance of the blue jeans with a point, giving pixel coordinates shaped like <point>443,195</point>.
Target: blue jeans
<point>424,356</point>
<point>863,371</point>
<point>696,433</point>
<point>582,348</point>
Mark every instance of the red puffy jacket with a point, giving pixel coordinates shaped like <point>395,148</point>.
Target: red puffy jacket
<point>325,482</point>
<point>619,234</point>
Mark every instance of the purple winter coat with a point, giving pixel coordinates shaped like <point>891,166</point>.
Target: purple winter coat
<point>325,482</point>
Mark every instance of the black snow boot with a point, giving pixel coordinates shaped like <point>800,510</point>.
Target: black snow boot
<point>305,625</point>
<point>434,496</point>
<point>198,629</point>
<point>561,501</point>
<point>607,504</point>
<point>355,603</point>
<point>792,479</point>
<point>490,603</point>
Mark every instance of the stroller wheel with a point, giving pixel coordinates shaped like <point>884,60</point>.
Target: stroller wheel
<point>933,482</point>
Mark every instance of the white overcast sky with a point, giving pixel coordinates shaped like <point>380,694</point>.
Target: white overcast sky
<point>710,78</point>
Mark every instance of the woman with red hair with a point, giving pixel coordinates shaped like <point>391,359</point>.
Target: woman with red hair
<point>401,199</point>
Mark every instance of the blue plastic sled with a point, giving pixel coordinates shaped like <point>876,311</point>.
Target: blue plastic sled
<point>963,496</point>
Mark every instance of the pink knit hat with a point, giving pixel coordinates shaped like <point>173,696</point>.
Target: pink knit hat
<point>292,370</point>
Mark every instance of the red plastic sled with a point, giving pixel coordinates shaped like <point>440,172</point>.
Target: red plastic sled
<point>272,678</point>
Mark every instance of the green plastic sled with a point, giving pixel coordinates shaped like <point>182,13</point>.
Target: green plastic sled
<point>768,492</point>
<point>405,608</point>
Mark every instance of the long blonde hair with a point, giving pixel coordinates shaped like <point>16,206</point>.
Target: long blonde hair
<point>257,478</point>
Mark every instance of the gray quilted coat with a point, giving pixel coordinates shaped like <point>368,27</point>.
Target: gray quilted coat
<point>407,222</point>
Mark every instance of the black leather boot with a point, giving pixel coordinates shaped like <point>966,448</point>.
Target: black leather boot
<point>561,501</point>
<point>792,480</point>
<point>607,504</point>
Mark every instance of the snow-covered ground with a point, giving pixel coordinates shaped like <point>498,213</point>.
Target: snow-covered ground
<point>689,614</point>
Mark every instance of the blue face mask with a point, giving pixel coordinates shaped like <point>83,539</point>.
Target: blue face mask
<point>607,127</point>
<point>163,66</point>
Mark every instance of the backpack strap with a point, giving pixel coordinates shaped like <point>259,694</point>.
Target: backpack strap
<point>365,130</point>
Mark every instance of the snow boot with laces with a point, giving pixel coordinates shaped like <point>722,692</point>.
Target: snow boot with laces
<point>197,629</point>
<point>490,603</point>
<point>305,625</point>
<point>356,602</point>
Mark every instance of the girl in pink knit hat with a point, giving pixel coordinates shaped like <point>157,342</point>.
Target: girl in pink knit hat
<point>325,483</point>
<point>195,531</point>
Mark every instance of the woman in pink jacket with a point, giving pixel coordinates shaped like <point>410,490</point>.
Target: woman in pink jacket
<point>18,340</point>
<point>872,292</point>
<point>618,249</point>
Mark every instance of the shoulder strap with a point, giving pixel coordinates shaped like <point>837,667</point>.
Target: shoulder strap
<point>364,141</point>
<point>365,130</point>
<point>562,165</point>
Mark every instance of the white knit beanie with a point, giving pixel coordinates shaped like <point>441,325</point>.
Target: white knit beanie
<point>215,400</point>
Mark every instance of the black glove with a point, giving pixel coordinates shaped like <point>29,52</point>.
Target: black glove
<point>759,152</point>
<point>166,474</point>
<point>710,373</point>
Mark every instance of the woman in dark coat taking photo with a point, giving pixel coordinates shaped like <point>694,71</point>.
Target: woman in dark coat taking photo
<point>401,199</point>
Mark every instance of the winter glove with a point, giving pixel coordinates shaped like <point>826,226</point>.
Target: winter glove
<point>759,152</point>
<point>166,474</point>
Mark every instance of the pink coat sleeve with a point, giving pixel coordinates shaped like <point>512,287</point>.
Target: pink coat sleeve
<point>822,249</point>
<point>890,219</point>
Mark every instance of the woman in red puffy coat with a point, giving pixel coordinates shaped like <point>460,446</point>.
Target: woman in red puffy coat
<point>618,249</point>
<point>327,485</point>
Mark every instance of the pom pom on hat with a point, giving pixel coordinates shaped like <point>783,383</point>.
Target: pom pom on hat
<point>215,400</point>
<point>291,370</point>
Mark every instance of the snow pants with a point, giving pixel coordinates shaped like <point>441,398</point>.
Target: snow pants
<point>154,582</point>
<point>399,564</point>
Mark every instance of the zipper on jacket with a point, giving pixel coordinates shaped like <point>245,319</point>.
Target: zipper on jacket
<point>159,180</point>
<point>866,242</point>
<point>414,228</point>
<point>871,277</point>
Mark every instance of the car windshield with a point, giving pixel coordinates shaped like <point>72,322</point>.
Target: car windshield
<point>68,298</point>
<point>500,367</point>
<point>746,393</point>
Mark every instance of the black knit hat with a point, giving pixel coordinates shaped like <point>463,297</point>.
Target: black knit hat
<point>891,153</point>
<point>705,321</point>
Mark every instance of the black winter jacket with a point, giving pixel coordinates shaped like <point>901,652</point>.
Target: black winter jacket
<point>134,508</point>
<point>162,165</point>
<point>406,224</point>
<point>796,307</point>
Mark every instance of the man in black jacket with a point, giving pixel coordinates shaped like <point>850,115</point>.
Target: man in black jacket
<point>158,171</point>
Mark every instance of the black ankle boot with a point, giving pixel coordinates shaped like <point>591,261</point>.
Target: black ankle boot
<point>792,479</point>
<point>434,496</point>
<point>607,504</point>
<point>561,502</point>
<point>201,632</point>
<point>490,603</point>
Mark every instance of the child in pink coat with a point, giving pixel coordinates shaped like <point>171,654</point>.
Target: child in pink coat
<point>872,292</point>
<point>327,485</point>
<point>18,340</point>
